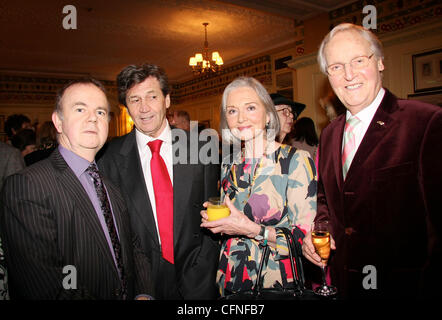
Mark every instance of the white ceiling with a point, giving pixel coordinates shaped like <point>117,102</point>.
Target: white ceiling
<point>113,34</point>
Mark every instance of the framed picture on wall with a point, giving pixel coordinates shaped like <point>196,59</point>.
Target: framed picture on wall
<point>427,71</point>
<point>2,124</point>
<point>433,97</point>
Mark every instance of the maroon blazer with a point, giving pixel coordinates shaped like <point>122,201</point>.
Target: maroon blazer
<point>388,211</point>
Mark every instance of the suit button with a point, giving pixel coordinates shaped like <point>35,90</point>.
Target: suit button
<point>349,231</point>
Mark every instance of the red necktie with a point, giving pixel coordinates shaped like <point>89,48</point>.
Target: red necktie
<point>163,199</point>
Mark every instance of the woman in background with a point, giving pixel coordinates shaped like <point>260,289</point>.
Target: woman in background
<point>305,137</point>
<point>46,143</point>
<point>288,111</point>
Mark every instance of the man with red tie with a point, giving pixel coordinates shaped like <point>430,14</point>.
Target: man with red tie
<point>379,177</point>
<point>164,195</point>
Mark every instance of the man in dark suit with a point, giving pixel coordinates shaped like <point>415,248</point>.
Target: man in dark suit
<point>184,257</point>
<point>10,163</point>
<point>65,228</point>
<point>379,177</point>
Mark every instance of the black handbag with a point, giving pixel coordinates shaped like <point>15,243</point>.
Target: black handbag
<point>297,289</point>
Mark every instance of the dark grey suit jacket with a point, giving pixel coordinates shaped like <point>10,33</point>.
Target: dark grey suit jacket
<point>11,161</point>
<point>196,253</point>
<point>47,222</point>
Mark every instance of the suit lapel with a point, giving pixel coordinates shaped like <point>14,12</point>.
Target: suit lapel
<point>379,127</point>
<point>181,196</point>
<point>116,203</point>
<point>135,185</point>
<point>336,140</point>
<point>81,201</point>
<point>181,190</point>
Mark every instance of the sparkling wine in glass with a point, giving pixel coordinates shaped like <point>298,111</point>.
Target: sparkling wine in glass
<point>321,242</point>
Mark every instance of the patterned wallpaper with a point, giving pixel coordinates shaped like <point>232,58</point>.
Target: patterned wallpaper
<point>214,84</point>
<point>392,15</point>
<point>37,89</point>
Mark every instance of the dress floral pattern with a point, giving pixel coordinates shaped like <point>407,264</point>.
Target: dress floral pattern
<point>278,190</point>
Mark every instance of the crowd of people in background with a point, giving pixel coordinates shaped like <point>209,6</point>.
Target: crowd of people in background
<point>132,219</point>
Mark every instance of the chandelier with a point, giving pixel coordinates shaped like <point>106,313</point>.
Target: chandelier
<point>201,63</point>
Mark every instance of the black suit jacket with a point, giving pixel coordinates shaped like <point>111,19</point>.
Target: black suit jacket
<point>388,211</point>
<point>47,222</point>
<point>196,253</point>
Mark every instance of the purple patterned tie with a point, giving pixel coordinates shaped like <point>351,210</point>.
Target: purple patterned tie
<point>107,213</point>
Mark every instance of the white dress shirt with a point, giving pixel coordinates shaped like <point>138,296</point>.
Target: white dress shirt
<point>146,156</point>
<point>365,115</point>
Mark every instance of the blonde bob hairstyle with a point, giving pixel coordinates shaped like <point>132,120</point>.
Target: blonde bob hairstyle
<point>272,127</point>
<point>375,45</point>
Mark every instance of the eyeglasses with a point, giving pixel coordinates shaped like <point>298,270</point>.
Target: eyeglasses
<point>286,111</point>
<point>356,64</point>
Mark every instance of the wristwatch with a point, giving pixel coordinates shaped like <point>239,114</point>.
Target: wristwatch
<point>266,237</point>
<point>261,233</point>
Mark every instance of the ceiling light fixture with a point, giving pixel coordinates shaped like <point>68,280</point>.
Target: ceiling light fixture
<point>201,63</point>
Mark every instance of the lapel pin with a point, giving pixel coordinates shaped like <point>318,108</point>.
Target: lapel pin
<point>381,123</point>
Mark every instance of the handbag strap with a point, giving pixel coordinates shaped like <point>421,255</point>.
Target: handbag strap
<point>294,256</point>
<point>264,259</point>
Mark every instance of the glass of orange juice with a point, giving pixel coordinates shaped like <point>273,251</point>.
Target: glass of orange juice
<point>217,209</point>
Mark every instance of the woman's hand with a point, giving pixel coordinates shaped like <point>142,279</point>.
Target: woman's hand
<point>235,224</point>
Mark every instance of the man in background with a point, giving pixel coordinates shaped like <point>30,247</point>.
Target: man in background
<point>16,122</point>
<point>11,162</point>
<point>181,120</point>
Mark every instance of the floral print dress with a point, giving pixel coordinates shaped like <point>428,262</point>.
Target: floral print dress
<point>278,190</point>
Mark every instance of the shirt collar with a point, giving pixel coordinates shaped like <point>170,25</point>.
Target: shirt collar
<point>144,139</point>
<point>367,114</point>
<point>75,162</point>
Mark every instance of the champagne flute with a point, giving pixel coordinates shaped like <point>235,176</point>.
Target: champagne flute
<point>321,242</point>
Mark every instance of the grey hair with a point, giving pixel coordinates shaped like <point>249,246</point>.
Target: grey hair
<point>273,126</point>
<point>375,44</point>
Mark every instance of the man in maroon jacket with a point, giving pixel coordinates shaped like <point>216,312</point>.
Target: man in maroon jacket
<point>380,177</point>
